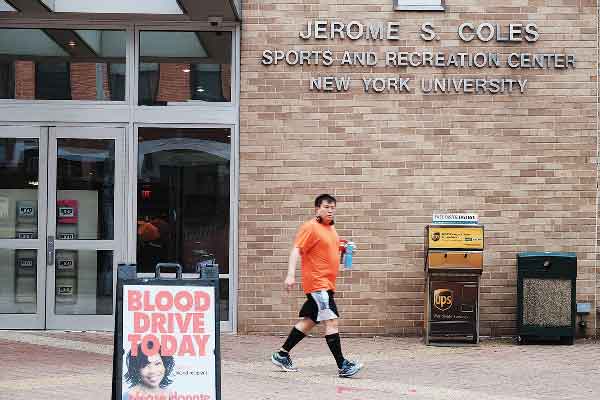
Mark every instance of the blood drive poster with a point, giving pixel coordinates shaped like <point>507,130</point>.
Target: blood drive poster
<point>168,343</point>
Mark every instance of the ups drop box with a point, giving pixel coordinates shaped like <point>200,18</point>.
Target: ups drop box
<point>454,260</point>
<point>453,305</point>
<point>453,266</point>
<point>467,237</point>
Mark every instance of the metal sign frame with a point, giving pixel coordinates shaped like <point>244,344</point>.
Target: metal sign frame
<point>126,276</point>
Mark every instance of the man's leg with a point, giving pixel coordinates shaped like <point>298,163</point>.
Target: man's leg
<point>332,336</point>
<point>282,358</point>
<point>299,332</point>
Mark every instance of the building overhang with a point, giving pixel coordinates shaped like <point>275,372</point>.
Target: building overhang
<point>213,11</point>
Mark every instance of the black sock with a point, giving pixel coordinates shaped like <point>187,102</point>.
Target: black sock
<point>293,339</point>
<point>335,345</point>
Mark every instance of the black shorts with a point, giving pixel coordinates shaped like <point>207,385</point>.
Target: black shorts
<point>311,310</point>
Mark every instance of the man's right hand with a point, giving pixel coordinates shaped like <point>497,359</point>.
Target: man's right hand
<point>290,281</point>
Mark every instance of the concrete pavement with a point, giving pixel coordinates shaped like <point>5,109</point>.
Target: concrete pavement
<point>69,365</point>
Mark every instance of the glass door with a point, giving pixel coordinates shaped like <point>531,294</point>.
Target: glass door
<point>184,203</point>
<point>84,226</point>
<point>22,227</point>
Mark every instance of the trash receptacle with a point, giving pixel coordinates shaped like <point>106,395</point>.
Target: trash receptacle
<point>546,289</point>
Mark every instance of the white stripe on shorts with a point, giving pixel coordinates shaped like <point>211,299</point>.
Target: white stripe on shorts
<point>321,297</point>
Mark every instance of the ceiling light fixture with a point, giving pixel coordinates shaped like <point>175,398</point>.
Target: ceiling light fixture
<point>72,43</point>
<point>186,70</point>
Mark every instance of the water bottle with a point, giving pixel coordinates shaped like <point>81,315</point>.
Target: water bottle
<point>342,248</point>
<point>348,255</point>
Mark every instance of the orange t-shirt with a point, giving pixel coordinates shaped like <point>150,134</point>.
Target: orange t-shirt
<point>320,254</point>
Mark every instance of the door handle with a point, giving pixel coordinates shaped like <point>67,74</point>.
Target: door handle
<point>50,250</point>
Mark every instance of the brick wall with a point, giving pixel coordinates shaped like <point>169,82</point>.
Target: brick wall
<point>596,323</point>
<point>105,82</point>
<point>24,80</point>
<point>174,84</point>
<point>83,78</point>
<point>226,81</point>
<point>83,81</point>
<point>525,162</point>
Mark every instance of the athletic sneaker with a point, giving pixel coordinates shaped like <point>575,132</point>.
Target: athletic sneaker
<point>349,368</point>
<point>285,362</point>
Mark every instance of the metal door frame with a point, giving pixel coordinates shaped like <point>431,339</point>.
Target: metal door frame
<point>230,325</point>
<point>37,320</point>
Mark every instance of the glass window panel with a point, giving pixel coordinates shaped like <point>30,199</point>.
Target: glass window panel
<point>116,80</point>
<point>207,82</point>
<point>52,80</point>
<point>19,159</point>
<point>224,299</point>
<point>148,79</point>
<point>85,189</point>
<point>62,64</point>
<point>83,282</point>
<point>4,6</point>
<point>183,198</point>
<point>18,287</point>
<point>177,67</point>
<point>7,80</point>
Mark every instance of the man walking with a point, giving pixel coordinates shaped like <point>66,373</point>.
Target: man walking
<point>317,245</point>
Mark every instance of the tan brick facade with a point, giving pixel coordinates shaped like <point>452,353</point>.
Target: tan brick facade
<point>174,84</point>
<point>226,81</point>
<point>84,80</point>
<point>24,80</point>
<point>525,162</point>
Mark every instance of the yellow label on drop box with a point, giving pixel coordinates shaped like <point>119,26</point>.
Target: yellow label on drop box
<point>456,237</point>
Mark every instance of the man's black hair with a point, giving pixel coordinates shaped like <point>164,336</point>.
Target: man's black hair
<point>324,197</point>
<point>136,363</point>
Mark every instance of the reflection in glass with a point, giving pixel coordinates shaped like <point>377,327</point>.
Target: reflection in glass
<point>83,282</point>
<point>62,64</point>
<point>85,189</point>
<point>224,296</point>
<point>19,159</point>
<point>7,80</point>
<point>19,280</point>
<point>183,198</point>
<point>53,80</point>
<point>177,67</point>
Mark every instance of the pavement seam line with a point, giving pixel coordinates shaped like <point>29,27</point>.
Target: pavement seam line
<point>66,344</point>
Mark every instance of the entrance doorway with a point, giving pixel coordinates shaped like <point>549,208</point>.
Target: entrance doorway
<point>61,232</point>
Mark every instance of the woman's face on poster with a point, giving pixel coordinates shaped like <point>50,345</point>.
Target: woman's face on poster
<point>153,373</point>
